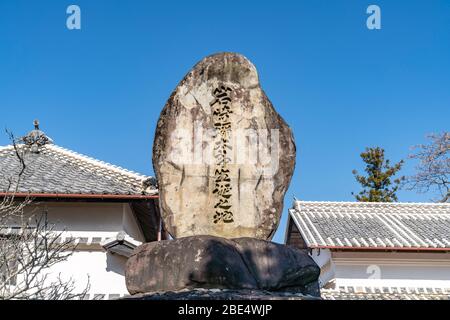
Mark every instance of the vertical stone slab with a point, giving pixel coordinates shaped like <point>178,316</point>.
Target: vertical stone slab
<point>222,155</point>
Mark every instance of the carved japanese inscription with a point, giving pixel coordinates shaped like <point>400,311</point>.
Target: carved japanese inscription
<point>222,152</point>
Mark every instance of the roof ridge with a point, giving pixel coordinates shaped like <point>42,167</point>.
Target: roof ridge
<point>374,203</point>
<point>97,162</point>
<point>8,147</point>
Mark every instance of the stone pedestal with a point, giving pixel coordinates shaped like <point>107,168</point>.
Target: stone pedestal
<point>217,263</point>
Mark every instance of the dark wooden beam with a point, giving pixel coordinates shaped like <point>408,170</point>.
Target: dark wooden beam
<point>294,237</point>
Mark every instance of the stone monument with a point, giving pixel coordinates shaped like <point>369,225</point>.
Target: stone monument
<point>223,158</point>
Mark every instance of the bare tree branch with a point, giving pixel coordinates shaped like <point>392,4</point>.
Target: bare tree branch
<point>433,170</point>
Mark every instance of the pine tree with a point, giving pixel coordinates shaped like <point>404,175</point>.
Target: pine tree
<point>378,185</point>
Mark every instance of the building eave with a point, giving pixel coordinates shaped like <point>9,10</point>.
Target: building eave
<point>411,249</point>
<point>79,196</point>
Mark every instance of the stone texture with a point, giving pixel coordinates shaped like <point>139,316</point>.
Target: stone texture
<point>279,267</point>
<point>220,294</point>
<point>222,155</point>
<point>190,262</point>
<point>214,262</point>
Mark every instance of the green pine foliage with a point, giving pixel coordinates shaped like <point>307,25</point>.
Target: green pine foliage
<point>378,185</point>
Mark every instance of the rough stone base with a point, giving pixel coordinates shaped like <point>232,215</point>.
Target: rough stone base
<point>220,294</point>
<point>209,262</point>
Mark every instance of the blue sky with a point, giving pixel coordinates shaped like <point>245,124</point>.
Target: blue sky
<point>340,86</point>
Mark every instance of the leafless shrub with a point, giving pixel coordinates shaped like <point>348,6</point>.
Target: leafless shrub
<point>433,170</point>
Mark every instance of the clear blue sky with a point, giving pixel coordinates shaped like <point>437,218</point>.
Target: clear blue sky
<point>340,86</point>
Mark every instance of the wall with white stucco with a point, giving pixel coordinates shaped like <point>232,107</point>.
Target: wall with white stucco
<point>392,269</point>
<point>92,222</point>
<point>103,271</point>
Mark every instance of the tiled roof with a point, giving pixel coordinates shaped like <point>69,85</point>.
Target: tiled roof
<point>55,170</point>
<point>363,225</point>
<point>385,293</point>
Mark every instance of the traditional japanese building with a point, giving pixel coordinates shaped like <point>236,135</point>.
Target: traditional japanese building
<point>376,250</point>
<point>107,209</point>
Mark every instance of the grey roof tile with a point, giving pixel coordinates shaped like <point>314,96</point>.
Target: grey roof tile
<point>55,170</point>
<point>391,293</point>
<point>358,224</point>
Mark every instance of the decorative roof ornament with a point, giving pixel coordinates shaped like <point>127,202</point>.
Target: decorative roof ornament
<point>149,184</point>
<point>36,138</point>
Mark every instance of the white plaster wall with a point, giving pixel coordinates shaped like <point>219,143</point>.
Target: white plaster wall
<point>389,269</point>
<point>130,224</point>
<point>92,220</point>
<point>92,217</point>
<point>323,258</point>
<point>105,271</point>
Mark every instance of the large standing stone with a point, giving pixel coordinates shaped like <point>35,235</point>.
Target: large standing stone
<point>222,155</point>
